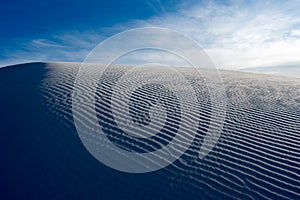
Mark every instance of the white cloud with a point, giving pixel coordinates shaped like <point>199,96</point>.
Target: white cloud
<point>239,34</point>
<point>295,32</point>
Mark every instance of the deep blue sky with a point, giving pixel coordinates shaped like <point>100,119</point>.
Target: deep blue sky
<point>31,17</point>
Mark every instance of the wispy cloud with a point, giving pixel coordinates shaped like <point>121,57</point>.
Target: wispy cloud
<point>70,46</point>
<point>240,34</point>
<point>45,43</point>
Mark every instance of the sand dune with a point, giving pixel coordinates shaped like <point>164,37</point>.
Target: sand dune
<point>256,157</point>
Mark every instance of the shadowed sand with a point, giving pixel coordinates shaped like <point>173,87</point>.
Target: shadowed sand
<point>256,157</point>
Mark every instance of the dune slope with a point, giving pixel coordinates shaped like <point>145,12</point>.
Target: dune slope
<point>256,157</point>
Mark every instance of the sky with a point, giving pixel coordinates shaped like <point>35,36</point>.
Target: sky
<point>236,34</point>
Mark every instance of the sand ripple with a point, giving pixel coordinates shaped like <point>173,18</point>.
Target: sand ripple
<point>257,156</point>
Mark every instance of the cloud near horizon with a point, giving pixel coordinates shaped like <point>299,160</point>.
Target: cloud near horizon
<point>235,34</point>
